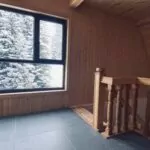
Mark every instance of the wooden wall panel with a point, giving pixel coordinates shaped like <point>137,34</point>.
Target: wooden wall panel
<point>103,41</point>
<point>145,31</point>
<point>95,40</point>
<point>31,103</point>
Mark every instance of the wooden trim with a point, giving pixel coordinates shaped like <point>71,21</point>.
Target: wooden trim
<point>76,3</point>
<point>33,11</point>
<point>85,115</point>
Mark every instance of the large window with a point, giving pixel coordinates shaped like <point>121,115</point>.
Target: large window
<point>32,51</point>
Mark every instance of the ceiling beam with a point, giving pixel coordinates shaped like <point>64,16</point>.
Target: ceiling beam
<point>76,3</point>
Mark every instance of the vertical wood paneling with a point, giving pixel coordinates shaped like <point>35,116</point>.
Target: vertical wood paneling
<point>103,41</point>
<point>96,40</point>
<point>145,31</point>
<point>30,103</point>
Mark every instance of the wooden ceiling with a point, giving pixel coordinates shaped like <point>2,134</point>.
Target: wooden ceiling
<point>135,9</point>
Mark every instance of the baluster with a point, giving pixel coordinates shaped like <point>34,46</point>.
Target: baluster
<point>134,104</point>
<point>126,106</point>
<point>147,117</point>
<point>97,123</point>
<point>109,128</point>
<point>118,108</point>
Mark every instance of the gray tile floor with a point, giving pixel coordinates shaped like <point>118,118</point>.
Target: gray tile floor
<point>60,130</point>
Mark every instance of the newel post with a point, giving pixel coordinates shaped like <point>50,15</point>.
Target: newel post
<point>97,111</point>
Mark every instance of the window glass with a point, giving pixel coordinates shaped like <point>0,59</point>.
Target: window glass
<point>51,40</point>
<point>30,76</point>
<point>16,35</point>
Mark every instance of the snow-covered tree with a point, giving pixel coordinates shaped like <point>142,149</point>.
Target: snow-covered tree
<point>50,40</point>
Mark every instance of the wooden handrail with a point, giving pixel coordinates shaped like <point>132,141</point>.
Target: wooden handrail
<point>125,80</point>
<point>118,80</point>
<point>143,81</point>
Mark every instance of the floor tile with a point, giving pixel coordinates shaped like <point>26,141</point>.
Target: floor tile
<point>6,145</point>
<point>55,140</point>
<point>7,129</point>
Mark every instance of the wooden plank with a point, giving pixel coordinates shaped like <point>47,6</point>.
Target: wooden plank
<point>86,115</point>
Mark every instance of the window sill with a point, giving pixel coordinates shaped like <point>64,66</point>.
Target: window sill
<point>33,93</point>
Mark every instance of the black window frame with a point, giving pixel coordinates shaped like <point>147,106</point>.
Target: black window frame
<point>36,46</point>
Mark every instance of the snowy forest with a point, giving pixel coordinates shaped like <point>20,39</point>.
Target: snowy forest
<point>17,42</point>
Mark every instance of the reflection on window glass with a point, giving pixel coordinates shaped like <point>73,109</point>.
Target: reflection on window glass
<point>50,40</point>
<point>30,76</point>
<point>16,35</point>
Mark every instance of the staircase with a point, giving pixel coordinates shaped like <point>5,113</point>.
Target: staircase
<point>115,107</point>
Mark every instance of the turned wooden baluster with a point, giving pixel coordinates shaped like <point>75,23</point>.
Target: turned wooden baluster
<point>134,104</point>
<point>147,117</point>
<point>109,128</point>
<point>118,108</point>
<point>97,123</point>
<point>126,106</point>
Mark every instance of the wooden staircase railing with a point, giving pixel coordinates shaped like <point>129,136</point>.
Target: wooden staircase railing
<point>122,105</point>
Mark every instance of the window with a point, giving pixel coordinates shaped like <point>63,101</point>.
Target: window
<point>32,51</point>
